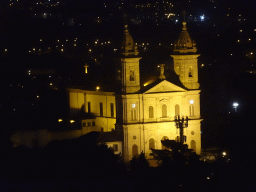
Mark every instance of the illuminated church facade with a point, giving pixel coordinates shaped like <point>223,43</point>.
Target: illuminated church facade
<point>142,116</point>
<point>136,118</point>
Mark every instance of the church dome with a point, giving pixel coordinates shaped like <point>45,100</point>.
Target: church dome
<point>184,44</point>
<point>129,48</point>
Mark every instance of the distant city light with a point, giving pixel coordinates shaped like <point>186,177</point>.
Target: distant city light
<point>97,88</point>
<point>202,18</point>
<point>72,121</point>
<point>224,153</point>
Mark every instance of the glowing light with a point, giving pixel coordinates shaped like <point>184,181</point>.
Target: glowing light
<point>224,153</point>
<point>191,101</point>
<point>97,88</point>
<point>251,53</point>
<point>202,17</point>
<point>5,50</point>
<point>60,120</point>
<point>133,105</point>
<point>235,105</point>
<point>50,84</point>
<point>37,96</point>
<point>72,121</point>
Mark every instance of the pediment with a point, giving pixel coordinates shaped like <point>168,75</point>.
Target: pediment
<point>165,86</point>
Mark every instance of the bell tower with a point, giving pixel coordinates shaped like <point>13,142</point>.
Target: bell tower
<point>185,60</point>
<point>130,64</point>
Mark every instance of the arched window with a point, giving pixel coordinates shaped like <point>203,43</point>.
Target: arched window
<point>134,150</point>
<point>177,110</point>
<point>193,145</point>
<point>151,143</point>
<point>164,138</point>
<point>133,115</point>
<point>190,72</point>
<point>151,112</point>
<point>191,110</point>
<point>164,110</point>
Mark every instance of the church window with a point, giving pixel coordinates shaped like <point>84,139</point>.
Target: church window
<point>89,107</point>
<point>151,143</point>
<point>164,138</point>
<point>115,147</point>
<point>151,112</point>
<point>184,138</point>
<point>190,73</point>
<point>101,109</point>
<point>101,129</point>
<point>84,124</point>
<point>164,110</point>
<point>93,123</point>
<point>131,75</point>
<point>193,145</point>
<point>88,124</point>
<point>192,133</point>
<point>134,150</point>
<point>133,114</point>
<point>177,110</point>
<point>191,110</point>
<point>134,137</point>
<point>112,109</point>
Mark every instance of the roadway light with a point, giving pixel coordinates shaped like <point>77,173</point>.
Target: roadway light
<point>235,105</point>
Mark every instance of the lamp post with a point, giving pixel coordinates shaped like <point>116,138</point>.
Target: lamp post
<point>181,123</point>
<point>235,105</point>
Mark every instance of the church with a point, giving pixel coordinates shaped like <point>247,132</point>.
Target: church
<point>141,114</point>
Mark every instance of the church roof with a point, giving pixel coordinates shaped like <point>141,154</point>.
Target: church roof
<point>151,82</point>
<point>129,48</point>
<point>184,44</point>
<point>109,137</point>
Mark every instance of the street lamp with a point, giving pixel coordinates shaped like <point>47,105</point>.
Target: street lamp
<point>235,105</point>
<point>181,123</point>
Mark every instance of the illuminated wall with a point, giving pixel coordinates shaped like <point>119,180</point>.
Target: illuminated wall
<point>101,104</point>
<point>150,117</point>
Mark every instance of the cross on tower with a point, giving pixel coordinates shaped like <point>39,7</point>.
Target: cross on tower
<point>125,19</point>
<point>184,15</point>
<point>86,66</point>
